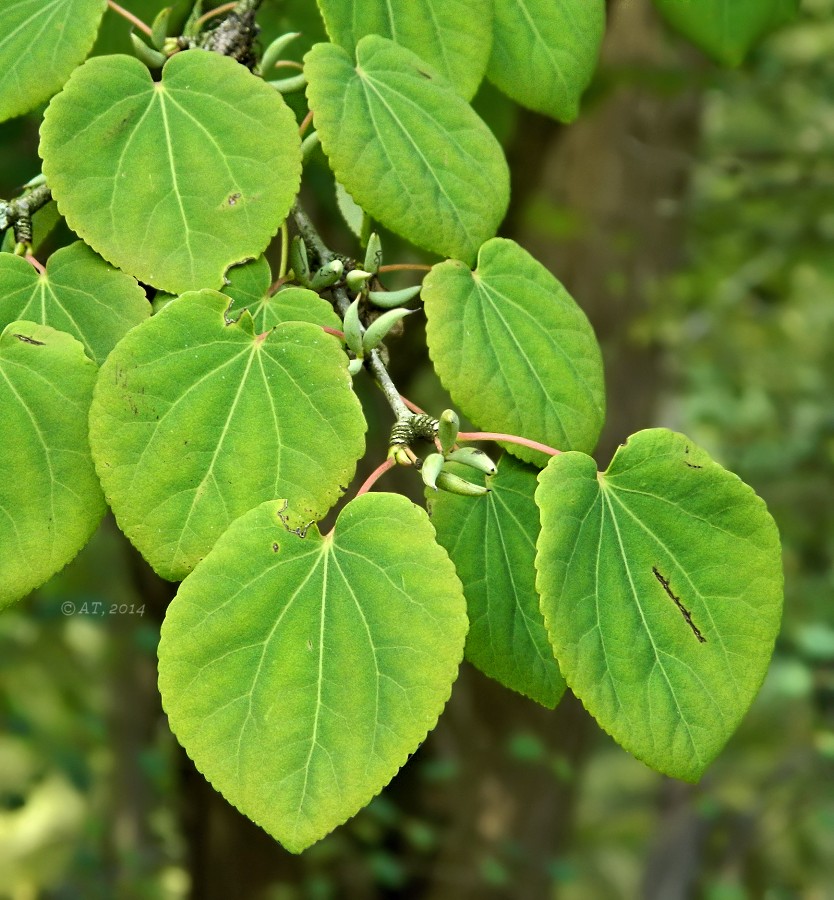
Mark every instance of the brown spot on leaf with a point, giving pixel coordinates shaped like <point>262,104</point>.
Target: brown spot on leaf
<point>664,582</point>
<point>28,340</point>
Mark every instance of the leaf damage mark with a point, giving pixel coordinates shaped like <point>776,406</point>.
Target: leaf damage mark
<point>233,198</point>
<point>664,583</point>
<point>275,547</point>
<point>686,462</point>
<point>29,340</point>
<point>301,531</point>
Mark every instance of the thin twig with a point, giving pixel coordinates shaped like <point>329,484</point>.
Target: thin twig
<point>413,406</point>
<point>375,476</point>
<point>404,267</point>
<point>509,439</point>
<point>305,123</point>
<point>217,11</point>
<point>134,20</point>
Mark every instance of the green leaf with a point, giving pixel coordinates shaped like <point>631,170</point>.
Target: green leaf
<point>352,213</point>
<point>299,672</point>
<point>410,151</point>
<point>545,52</point>
<point>177,180</point>
<point>514,350</point>
<point>453,36</point>
<point>661,586</point>
<point>249,287</point>
<point>80,294</point>
<point>196,419</point>
<point>41,42</point>
<point>50,499</point>
<point>727,29</point>
<point>492,542</point>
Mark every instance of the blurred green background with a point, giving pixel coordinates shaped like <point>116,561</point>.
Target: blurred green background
<point>691,213</point>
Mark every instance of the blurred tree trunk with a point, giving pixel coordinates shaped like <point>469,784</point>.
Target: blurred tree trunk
<point>621,175</point>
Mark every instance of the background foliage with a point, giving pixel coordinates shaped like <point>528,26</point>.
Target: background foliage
<point>97,800</point>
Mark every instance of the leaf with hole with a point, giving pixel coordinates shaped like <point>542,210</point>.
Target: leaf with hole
<point>50,499</point>
<point>453,36</point>
<point>196,419</point>
<point>299,672</point>
<point>661,586</point>
<point>514,350</point>
<point>727,29</point>
<point>410,151</point>
<point>79,294</point>
<point>249,287</point>
<point>172,181</point>
<point>492,542</point>
<point>545,52</point>
<point>41,42</point>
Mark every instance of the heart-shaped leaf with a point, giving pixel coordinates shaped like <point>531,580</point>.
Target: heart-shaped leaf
<point>79,293</point>
<point>545,52</point>
<point>299,672</point>
<point>41,42</point>
<point>50,499</point>
<point>453,36</point>
<point>196,419</point>
<point>514,350</point>
<point>172,181</point>
<point>411,152</point>
<point>249,287</point>
<point>661,587</point>
<point>492,542</point>
<point>727,29</point>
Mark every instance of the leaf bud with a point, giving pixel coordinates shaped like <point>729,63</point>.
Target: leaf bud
<point>380,327</point>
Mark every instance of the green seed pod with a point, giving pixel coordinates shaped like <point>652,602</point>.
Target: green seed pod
<point>327,275</point>
<point>451,483</point>
<point>309,144</point>
<point>355,365</point>
<point>159,28</point>
<point>390,299</point>
<point>299,263</point>
<point>353,328</point>
<point>273,52</point>
<point>431,468</point>
<point>373,254</point>
<point>380,327</point>
<point>448,427</point>
<point>357,279</point>
<point>476,459</point>
<point>289,85</point>
<point>153,59</point>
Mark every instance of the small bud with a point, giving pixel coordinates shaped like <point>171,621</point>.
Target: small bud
<point>353,328</point>
<point>373,254</point>
<point>390,299</point>
<point>431,468</point>
<point>327,275</point>
<point>273,52</point>
<point>451,483</point>
<point>357,279</point>
<point>355,365</point>
<point>298,260</point>
<point>380,327</point>
<point>476,459</point>
<point>448,427</point>
<point>153,59</point>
